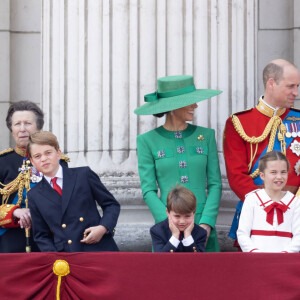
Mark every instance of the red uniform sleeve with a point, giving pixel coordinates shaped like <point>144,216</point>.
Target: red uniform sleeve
<point>236,160</point>
<point>6,216</point>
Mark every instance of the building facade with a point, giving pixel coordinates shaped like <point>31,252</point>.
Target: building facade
<point>88,63</point>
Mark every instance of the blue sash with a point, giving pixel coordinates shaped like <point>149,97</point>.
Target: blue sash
<point>3,230</point>
<point>258,180</point>
<point>277,147</point>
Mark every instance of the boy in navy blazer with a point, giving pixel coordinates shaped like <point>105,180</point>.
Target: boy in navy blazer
<point>63,204</point>
<point>179,233</point>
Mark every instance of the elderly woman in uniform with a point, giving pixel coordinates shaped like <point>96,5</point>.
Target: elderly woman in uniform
<point>23,118</point>
<point>179,152</point>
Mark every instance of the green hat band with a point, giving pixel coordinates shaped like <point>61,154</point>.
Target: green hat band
<point>156,96</point>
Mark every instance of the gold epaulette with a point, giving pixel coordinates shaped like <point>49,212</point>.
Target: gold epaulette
<point>241,112</point>
<point>6,151</point>
<point>65,158</point>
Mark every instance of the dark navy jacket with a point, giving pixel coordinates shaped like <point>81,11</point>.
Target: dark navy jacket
<point>59,221</point>
<point>161,233</point>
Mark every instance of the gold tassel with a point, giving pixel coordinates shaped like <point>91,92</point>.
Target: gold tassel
<point>60,268</point>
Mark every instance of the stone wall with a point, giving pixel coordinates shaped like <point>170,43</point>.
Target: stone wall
<point>101,57</point>
<point>20,56</point>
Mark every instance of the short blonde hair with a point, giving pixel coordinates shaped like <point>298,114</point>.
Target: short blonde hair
<point>181,200</point>
<point>42,138</point>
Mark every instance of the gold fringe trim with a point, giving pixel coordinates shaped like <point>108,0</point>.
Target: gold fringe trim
<point>273,125</point>
<point>22,181</point>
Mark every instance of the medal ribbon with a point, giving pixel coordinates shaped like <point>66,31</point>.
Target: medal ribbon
<point>293,127</point>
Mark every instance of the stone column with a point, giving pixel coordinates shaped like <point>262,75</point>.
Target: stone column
<point>100,58</point>
<point>4,69</point>
<point>19,57</point>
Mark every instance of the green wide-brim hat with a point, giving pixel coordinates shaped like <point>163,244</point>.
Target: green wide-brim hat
<point>173,92</point>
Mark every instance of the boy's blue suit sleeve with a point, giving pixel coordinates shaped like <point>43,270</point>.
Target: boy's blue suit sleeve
<point>159,243</point>
<point>109,205</point>
<point>41,232</point>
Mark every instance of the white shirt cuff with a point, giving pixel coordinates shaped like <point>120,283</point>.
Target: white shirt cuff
<point>188,241</point>
<point>175,242</point>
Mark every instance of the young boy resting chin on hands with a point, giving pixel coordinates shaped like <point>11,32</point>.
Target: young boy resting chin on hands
<point>179,233</point>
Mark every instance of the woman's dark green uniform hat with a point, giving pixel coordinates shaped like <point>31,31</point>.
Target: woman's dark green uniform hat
<point>173,92</point>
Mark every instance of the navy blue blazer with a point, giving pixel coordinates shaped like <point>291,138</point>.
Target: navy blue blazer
<point>59,222</point>
<point>161,233</point>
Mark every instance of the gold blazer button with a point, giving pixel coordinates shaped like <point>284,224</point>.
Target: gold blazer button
<point>69,242</point>
<point>63,225</point>
<point>81,219</point>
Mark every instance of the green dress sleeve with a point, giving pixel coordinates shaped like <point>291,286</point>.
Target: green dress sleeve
<point>146,166</point>
<point>214,185</point>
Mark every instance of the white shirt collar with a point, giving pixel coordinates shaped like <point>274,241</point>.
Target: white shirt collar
<point>59,175</point>
<point>264,102</point>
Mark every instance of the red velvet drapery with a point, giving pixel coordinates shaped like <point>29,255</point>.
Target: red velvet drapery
<point>152,276</point>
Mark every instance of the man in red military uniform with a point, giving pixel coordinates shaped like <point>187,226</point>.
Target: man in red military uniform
<point>272,125</point>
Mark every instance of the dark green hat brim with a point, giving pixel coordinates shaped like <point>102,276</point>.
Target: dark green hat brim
<point>167,104</point>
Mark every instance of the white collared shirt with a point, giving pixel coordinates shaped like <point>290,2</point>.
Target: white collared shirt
<point>59,175</point>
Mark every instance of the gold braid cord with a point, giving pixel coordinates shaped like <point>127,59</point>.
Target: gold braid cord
<point>273,125</point>
<point>22,181</point>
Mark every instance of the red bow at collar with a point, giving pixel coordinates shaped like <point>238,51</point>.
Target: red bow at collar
<point>280,209</point>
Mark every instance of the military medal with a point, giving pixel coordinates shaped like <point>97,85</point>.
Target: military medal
<point>294,129</point>
<point>36,176</point>
<point>295,147</point>
<point>297,167</point>
<point>287,134</point>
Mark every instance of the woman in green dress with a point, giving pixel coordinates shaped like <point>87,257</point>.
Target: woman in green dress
<point>179,152</point>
